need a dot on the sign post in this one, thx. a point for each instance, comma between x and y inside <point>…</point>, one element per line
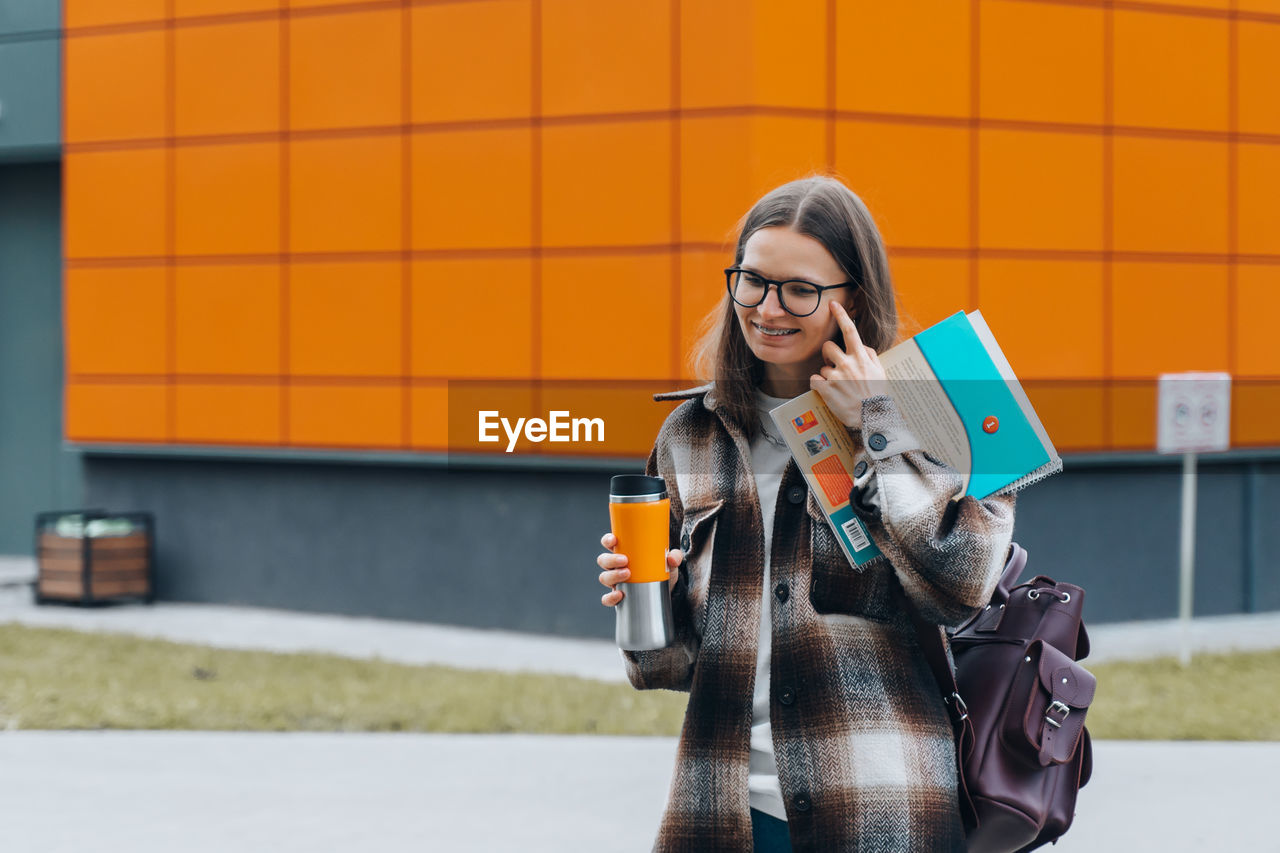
<point>1193,416</point>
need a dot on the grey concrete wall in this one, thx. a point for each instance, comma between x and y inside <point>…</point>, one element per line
<point>489,549</point>
<point>36,473</point>
<point>1115,531</point>
<point>516,550</point>
<point>30,80</point>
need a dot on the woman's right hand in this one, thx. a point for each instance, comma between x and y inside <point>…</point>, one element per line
<point>614,569</point>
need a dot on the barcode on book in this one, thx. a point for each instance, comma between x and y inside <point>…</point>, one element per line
<point>853,530</point>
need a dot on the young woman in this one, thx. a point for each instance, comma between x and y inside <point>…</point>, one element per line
<point>813,722</point>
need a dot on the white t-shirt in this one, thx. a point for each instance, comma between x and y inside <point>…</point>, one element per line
<point>767,463</point>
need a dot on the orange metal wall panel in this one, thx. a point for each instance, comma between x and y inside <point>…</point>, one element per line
<point>1266,7</point>
<point>1189,4</point>
<point>582,42</point>
<point>1170,70</point>
<point>917,63</point>
<point>1132,422</point>
<point>1258,192</point>
<point>345,70</point>
<point>785,148</point>
<point>429,415</point>
<point>715,176</point>
<point>716,62</point>
<point>789,54</point>
<point>227,198</point>
<point>279,216</point>
<point>1073,414</point>
<point>311,4</point>
<point>727,162</point>
<point>115,86</point>
<point>1170,195</point>
<point>104,411</point>
<point>345,194</point>
<point>227,320</point>
<point>1040,190</point>
<point>228,414</point>
<point>1255,410</point>
<point>472,60</point>
<point>929,290</point>
<point>1256,70</point>
<point>1042,62</point>
<point>473,189</point>
<point>1049,316</point>
<point>344,319</point>
<point>606,317</point>
<point>194,8</point>
<point>1256,310</point>
<point>333,415</point>
<point>913,177</point>
<point>115,320</point>
<point>213,95</point>
<point>1169,317</point>
<point>115,203</point>
<point>607,184</point>
<point>471,318</point>
<point>93,13</point>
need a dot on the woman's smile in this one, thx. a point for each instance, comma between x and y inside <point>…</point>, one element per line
<point>773,331</point>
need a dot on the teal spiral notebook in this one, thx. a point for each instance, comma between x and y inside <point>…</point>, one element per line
<point>961,398</point>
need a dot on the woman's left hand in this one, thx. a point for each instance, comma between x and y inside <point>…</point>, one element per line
<point>851,375</point>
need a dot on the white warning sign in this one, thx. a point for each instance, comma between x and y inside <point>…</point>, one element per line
<point>1193,414</point>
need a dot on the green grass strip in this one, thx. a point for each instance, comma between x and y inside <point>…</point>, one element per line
<point>58,679</point>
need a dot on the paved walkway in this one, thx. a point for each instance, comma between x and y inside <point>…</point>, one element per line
<point>198,792</point>
<point>203,792</point>
<point>418,643</point>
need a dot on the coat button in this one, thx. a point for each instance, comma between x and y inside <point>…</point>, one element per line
<point>684,542</point>
<point>795,494</point>
<point>803,804</point>
<point>786,696</point>
<point>781,591</point>
<point>860,469</point>
<point>876,441</point>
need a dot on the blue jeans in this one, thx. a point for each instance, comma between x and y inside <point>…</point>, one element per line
<point>768,834</point>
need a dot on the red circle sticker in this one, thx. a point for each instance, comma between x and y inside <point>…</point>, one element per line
<point>991,424</point>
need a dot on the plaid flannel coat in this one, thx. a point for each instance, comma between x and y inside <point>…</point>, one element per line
<point>862,738</point>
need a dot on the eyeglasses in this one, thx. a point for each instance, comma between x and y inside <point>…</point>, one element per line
<point>797,297</point>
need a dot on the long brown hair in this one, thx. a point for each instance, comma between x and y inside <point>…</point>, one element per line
<point>825,209</point>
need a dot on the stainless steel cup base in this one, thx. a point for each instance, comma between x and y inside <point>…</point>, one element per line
<point>644,617</point>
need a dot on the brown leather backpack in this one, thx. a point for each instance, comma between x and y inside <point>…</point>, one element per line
<point>1018,701</point>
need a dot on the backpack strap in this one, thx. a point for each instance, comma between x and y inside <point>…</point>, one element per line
<point>934,649</point>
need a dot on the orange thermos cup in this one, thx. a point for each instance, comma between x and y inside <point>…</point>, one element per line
<point>640,514</point>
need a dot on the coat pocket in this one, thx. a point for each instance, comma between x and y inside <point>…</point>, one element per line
<point>697,541</point>
<point>837,586</point>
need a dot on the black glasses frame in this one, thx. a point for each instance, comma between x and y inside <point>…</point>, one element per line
<point>732,271</point>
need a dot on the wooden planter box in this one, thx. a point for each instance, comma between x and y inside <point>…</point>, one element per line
<point>93,557</point>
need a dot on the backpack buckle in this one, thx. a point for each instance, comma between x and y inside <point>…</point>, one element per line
<point>1056,707</point>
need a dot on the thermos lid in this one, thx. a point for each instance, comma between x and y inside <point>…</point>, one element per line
<point>637,486</point>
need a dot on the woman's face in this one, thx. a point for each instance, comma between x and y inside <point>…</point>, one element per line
<point>791,344</point>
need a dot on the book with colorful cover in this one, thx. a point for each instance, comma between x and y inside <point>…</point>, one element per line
<point>961,399</point>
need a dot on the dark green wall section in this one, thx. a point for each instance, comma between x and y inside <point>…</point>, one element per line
<point>36,473</point>
<point>30,80</point>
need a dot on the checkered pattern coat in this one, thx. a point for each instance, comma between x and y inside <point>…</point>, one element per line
<point>861,736</point>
